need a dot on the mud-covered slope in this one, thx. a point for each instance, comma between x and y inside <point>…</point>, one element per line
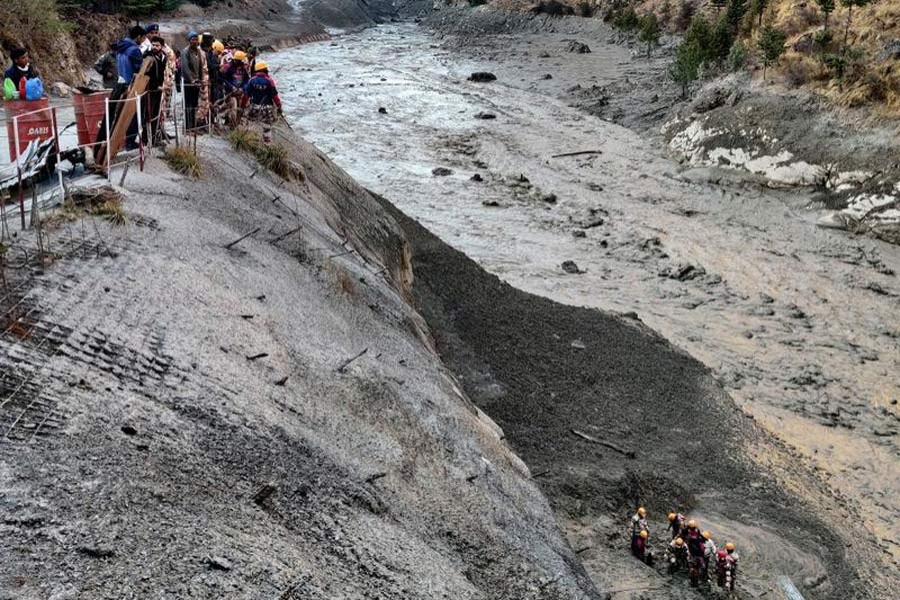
<point>180,417</point>
<point>544,371</point>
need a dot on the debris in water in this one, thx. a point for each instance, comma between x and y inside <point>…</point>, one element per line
<point>218,563</point>
<point>441,172</point>
<point>482,77</point>
<point>569,266</point>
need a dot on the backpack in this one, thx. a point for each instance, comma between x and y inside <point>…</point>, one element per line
<point>34,89</point>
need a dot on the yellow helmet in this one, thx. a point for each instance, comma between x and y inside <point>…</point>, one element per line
<point>672,516</point>
<point>729,546</point>
<point>641,511</point>
<point>692,523</point>
<point>706,535</point>
<point>679,542</point>
<point>261,66</point>
<point>218,47</point>
<point>644,534</point>
<point>239,55</point>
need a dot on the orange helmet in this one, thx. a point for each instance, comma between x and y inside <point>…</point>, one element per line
<point>644,534</point>
<point>239,55</point>
<point>642,511</point>
<point>679,542</point>
<point>706,535</point>
<point>692,523</point>
<point>729,546</point>
<point>672,516</point>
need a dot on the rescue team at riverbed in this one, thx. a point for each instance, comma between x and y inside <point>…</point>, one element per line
<point>689,549</point>
<point>220,83</point>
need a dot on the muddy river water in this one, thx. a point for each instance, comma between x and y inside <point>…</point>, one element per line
<point>800,324</point>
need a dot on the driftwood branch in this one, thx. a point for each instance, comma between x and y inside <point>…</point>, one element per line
<point>579,153</point>
<point>230,245</point>
<point>604,443</point>
<point>286,234</point>
<point>347,362</point>
<point>375,477</point>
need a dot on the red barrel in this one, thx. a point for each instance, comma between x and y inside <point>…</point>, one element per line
<point>90,109</point>
<point>31,126</point>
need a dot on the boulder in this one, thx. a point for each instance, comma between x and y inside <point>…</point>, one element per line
<point>441,171</point>
<point>60,89</point>
<point>570,267</point>
<point>578,47</point>
<point>485,115</point>
<point>482,77</point>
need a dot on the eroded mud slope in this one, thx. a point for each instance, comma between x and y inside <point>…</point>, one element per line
<point>180,417</point>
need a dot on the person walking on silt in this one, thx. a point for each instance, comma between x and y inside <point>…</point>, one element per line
<point>195,78</point>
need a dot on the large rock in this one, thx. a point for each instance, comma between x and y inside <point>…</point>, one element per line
<point>578,47</point>
<point>482,77</point>
<point>60,90</point>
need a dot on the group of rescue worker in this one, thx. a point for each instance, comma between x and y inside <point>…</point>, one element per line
<point>218,83</point>
<point>688,549</point>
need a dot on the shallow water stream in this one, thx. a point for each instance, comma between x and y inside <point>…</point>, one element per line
<point>800,324</point>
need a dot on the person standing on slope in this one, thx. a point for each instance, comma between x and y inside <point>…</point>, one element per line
<point>195,78</point>
<point>638,524</point>
<point>709,553</point>
<point>676,524</point>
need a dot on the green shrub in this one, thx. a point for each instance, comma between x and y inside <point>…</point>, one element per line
<point>737,57</point>
<point>626,20</point>
<point>30,23</point>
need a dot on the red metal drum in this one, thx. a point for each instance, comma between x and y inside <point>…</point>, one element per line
<point>31,125</point>
<point>89,112</point>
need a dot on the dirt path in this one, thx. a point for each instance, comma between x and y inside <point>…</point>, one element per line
<point>799,323</point>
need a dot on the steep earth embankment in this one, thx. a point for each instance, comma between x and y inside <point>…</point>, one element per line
<point>190,415</point>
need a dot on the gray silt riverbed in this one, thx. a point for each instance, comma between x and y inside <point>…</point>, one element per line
<point>799,323</point>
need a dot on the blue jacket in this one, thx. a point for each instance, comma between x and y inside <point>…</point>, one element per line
<point>128,59</point>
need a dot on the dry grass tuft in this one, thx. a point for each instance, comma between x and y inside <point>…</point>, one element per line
<point>183,160</point>
<point>244,140</point>
<point>275,158</point>
<point>113,211</point>
<point>272,156</point>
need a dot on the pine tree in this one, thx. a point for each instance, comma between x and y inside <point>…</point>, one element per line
<point>827,7</point>
<point>758,9</point>
<point>684,69</point>
<point>699,36</point>
<point>850,4</point>
<point>721,39</point>
<point>650,32</point>
<point>735,13</point>
<point>771,44</point>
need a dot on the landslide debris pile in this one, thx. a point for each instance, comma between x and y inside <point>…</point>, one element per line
<point>218,418</point>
